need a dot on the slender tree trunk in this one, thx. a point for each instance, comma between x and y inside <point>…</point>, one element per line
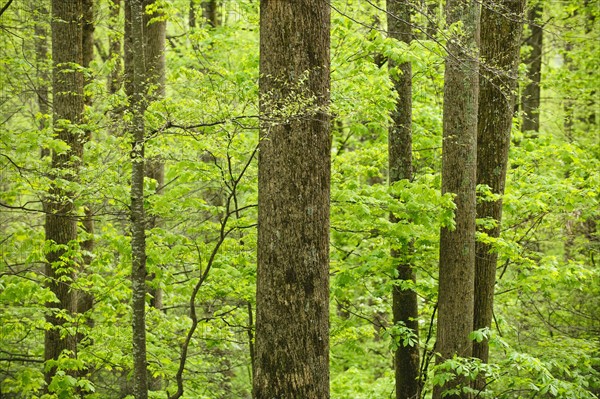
<point>42,71</point>
<point>61,220</point>
<point>128,52</point>
<point>138,83</point>
<point>404,304</point>
<point>501,28</point>
<point>530,100</point>
<point>459,162</point>
<point>114,47</point>
<point>292,309</point>
<point>85,300</point>
<point>155,36</point>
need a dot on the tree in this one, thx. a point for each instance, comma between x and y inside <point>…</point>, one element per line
<point>155,27</point>
<point>530,100</point>
<point>459,158</point>
<point>154,35</point>
<point>41,55</point>
<point>61,215</point>
<point>84,299</point>
<point>138,104</point>
<point>500,47</point>
<point>292,293</point>
<point>404,302</point>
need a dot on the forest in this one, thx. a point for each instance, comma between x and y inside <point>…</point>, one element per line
<point>299,199</point>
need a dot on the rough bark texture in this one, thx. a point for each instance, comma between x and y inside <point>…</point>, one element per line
<point>138,217</point>
<point>292,320</point>
<point>501,28</point>
<point>530,100</point>
<point>459,160</point>
<point>61,221</point>
<point>404,301</point>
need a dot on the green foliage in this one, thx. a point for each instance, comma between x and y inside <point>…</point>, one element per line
<point>544,338</point>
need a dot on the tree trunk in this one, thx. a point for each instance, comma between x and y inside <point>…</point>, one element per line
<point>85,300</point>
<point>61,220</point>
<point>501,28</point>
<point>404,301</point>
<point>292,314</point>
<point>137,101</point>
<point>192,14</point>
<point>459,161</point>
<point>209,13</point>
<point>41,54</point>
<point>530,100</point>
<point>155,36</point>
<point>114,47</point>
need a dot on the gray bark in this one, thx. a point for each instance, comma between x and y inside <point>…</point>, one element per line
<point>501,29</point>
<point>459,160</point>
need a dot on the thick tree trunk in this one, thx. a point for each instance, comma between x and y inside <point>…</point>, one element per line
<point>137,84</point>
<point>61,221</point>
<point>501,28</point>
<point>530,100</point>
<point>292,314</point>
<point>404,301</point>
<point>459,161</point>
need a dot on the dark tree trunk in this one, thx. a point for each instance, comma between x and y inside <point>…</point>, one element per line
<point>138,81</point>
<point>292,314</point>
<point>459,162</point>
<point>42,71</point>
<point>501,28</point>
<point>114,47</point>
<point>85,300</point>
<point>128,53</point>
<point>61,220</point>
<point>530,100</point>
<point>192,14</point>
<point>209,12</point>
<point>404,304</point>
